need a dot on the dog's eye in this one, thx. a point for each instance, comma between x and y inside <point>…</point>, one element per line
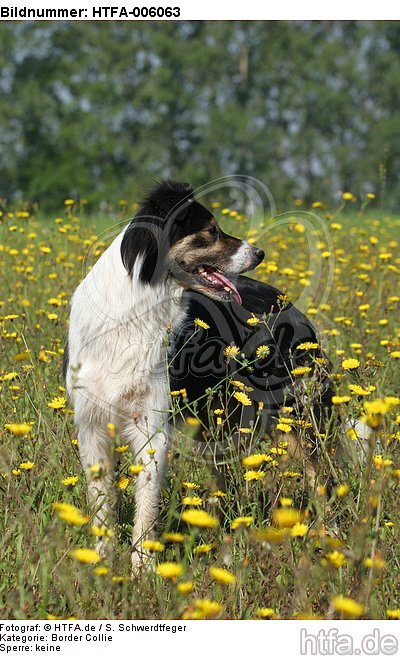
<point>213,230</point>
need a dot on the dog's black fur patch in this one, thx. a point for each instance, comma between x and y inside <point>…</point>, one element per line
<point>197,361</point>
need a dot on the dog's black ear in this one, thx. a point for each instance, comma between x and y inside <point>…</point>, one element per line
<point>153,229</point>
<point>141,239</point>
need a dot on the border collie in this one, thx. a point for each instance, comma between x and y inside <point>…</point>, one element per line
<point>170,265</point>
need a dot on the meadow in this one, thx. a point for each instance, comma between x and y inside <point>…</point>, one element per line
<point>238,558</point>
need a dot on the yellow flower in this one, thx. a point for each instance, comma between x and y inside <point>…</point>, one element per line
<point>300,371</point>
<point>350,363</point>
<point>153,545</point>
<point>190,486</point>
<point>255,460</point>
<point>101,570</point>
<point>242,521</point>
<point>308,346</point>
<point>262,351</point>
<point>284,427</point>
<point>375,563</point>
<point>231,351</point>
<point>253,321</point>
<point>336,558</point>
<point>136,469</point>
<point>347,195</point>
<point>10,375</point>
<point>395,355</point>
<point>69,514</point>
<point>185,587</point>
<point>123,482</point>
<point>342,490</point>
<point>192,501</point>
<point>374,412</point>
<point>199,518</point>
<point>70,481</point>
<point>201,324</point>
<point>208,607</point>
<point>87,556</point>
<point>264,613</point>
<point>242,398</point>
<point>170,570</point>
<point>299,530</point>
<point>287,517</point>
<point>203,548</point>
<point>254,475</point>
<point>18,429</point>
<point>101,531</point>
<point>27,465</point>
<point>361,391</point>
<point>338,400</point>
<point>393,614</point>
<point>347,606</point>
<point>222,575</point>
<point>57,403</point>
<point>175,538</point>
<point>193,421</point>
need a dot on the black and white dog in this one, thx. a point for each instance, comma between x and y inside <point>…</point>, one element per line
<point>172,264</point>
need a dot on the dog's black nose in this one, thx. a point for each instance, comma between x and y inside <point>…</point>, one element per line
<point>259,254</point>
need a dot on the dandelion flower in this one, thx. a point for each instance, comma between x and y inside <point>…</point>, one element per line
<point>300,371</point>
<point>222,575</point>
<point>254,475</point>
<point>242,521</point>
<point>201,324</point>
<point>308,346</point>
<point>262,351</point>
<point>336,559</point>
<point>199,518</point>
<point>153,546</point>
<point>287,517</point>
<point>231,351</point>
<point>27,465</point>
<point>208,607</point>
<point>57,403</point>
<point>342,490</point>
<point>299,530</point>
<point>347,606</point>
<point>185,587</point>
<point>170,570</point>
<point>203,548</point>
<point>266,613</point>
<point>350,363</point>
<point>192,501</point>
<point>70,481</point>
<point>18,429</point>
<point>70,514</point>
<point>87,556</point>
<point>136,469</point>
<point>255,460</point>
<point>242,398</point>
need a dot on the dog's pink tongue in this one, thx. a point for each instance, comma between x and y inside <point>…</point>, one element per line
<point>224,282</point>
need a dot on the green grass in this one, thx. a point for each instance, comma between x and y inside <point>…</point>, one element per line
<point>329,274</point>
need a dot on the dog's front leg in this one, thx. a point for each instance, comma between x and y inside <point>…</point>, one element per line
<point>153,454</point>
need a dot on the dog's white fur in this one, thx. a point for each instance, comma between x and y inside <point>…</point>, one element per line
<point>117,373</point>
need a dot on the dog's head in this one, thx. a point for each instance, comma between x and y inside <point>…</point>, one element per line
<point>174,235</point>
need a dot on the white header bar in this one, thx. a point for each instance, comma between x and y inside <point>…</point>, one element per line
<point>197,10</point>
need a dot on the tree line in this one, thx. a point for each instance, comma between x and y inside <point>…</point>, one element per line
<point>101,109</point>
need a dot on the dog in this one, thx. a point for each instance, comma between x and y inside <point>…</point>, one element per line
<point>171,266</point>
